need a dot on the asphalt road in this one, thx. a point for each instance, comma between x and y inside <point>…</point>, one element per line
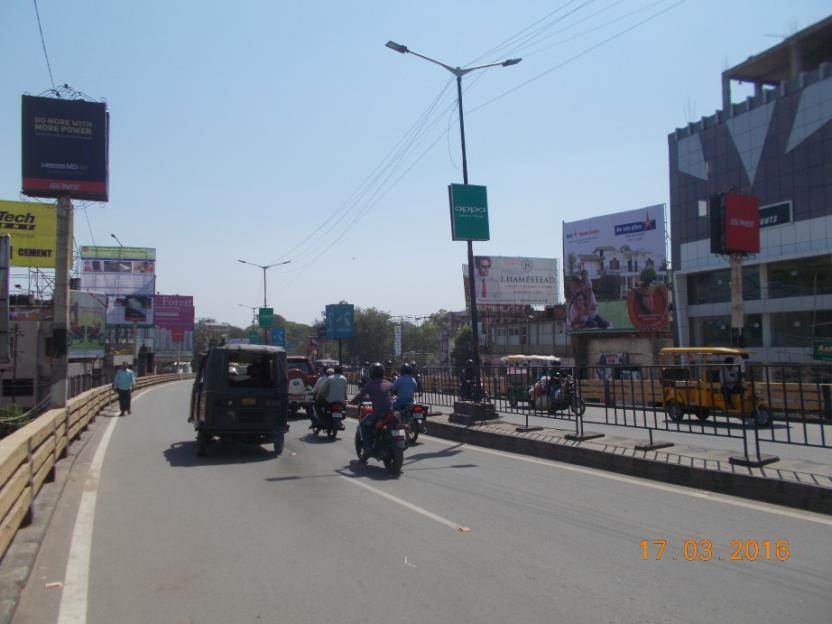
<point>464,535</point>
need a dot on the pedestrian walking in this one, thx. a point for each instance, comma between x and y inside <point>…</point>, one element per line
<point>123,383</point>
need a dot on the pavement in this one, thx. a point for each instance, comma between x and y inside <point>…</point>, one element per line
<point>465,534</point>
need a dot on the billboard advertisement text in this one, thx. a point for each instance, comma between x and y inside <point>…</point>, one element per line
<point>174,312</point>
<point>509,280</point>
<point>130,309</point>
<point>65,145</point>
<point>614,272</point>
<point>87,321</point>
<point>32,227</point>
<point>118,270</point>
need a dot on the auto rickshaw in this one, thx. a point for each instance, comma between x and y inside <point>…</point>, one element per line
<point>522,371</point>
<point>697,380</point>
<point>241,394</point>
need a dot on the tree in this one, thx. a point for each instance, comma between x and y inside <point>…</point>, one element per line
<point>373,341</point>
<point>647,276</point>
<point>463,348</point>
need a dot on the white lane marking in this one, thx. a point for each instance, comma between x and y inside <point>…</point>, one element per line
<point>676,489</point>
<point>407,563</point>
<point>73,608</point>
<point>406,505</point>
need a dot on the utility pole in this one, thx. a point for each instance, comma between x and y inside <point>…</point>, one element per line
<point>737,304</point>
<point>60,302</point>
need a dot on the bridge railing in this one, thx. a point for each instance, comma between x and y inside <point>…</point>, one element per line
<point>28,455</point>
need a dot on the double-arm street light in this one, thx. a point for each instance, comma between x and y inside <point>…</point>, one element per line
<point>264,267</point>
<point>459,72</point>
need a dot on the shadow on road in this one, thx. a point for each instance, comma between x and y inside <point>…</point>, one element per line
<point>311,438</point>
<point>446,452</point>
<point>183,454</point>
<point>372,470</point>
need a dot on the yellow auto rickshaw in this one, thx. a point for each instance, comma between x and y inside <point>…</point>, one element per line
<point>697,380</point>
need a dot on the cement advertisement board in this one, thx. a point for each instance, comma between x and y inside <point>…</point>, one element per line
<point>32,227</point>
<point>64,148</point>
<point>512,280</point>
<point>615,269</point>
<point>118,270</point>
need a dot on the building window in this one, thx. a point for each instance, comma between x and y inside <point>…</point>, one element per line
<point>18,387</point>
<point>798,329</point>
<point>800,278</point>
<point>715,286</point>
<point>715,331</point>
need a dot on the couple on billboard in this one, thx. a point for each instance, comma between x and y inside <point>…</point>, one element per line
<point>583,306</point>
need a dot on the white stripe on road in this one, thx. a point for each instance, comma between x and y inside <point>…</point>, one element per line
<point>73,609</point>
<point>409,506</point>
<point>676,489</point>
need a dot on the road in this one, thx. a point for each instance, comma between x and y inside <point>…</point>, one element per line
<point>464,535</point>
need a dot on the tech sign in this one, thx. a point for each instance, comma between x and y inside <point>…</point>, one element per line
<point>742,223</point>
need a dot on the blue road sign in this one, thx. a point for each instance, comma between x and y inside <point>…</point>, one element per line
<point>340,321</point>
<point>278,337</point>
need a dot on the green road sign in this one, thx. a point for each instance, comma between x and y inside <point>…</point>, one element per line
<point>823,349</point>
<point>469,212</point>
<point>266,317</point>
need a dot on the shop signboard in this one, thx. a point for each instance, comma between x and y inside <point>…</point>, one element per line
<point>32,227</point>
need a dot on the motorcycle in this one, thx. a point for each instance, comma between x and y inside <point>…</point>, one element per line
<point>388,440</point>
<point>331,420</point>
<point>414,417</point>
<point>556,395</point>
<point>466,390</point>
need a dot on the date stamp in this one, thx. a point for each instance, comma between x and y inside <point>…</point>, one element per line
<point>704,550</point>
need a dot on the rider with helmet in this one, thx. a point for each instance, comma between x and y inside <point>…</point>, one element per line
<point>378,391</point>
<point>403,388</point>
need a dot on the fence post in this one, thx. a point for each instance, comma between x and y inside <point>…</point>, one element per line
<point>759,460</point>
<point>30,513</point>
<point>65,450</point>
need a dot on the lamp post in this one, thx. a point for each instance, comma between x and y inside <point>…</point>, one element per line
<point>459,72</point>
<point>265,268</point>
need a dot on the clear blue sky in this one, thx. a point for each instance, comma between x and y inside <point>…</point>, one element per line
<point>238,128</point>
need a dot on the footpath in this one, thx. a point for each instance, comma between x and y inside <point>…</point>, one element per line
<point>795,482</point>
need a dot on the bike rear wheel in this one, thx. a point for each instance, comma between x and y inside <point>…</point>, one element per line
<point>394,460</point>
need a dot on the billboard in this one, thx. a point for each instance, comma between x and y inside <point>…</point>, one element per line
<point>174,312</point>
<point>87,321</point>
<point>64,148</point>
<point>33,229</point>
<point>340,321</point>
<point>515,281</point>
<point>118,270</point>
<point>130,309</point>
<point>742,223</point>
<point>615,269</point>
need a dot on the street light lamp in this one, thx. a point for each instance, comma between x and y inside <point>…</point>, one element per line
<point>265,268</point>
<point>117,240</point>
<point>459,72</point>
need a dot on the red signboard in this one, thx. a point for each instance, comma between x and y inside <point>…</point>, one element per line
<point>742,223</point>
<point>177,334</point>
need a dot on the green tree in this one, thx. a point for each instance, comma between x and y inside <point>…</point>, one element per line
<point>648,275</point>
<point>373,341</point>
<point>463,348</point>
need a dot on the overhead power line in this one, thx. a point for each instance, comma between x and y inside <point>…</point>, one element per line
<point>43,43</point>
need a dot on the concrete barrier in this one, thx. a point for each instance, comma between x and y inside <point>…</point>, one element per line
<point>28,456</point>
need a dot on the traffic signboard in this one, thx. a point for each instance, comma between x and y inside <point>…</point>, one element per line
<point>278,337</point>
<point>266,316</point>
<point>469,212</point>
<point>340,321</point>
<point>254,337</point>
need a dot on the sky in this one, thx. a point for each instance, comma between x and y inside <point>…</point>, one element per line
<point>273,131</point>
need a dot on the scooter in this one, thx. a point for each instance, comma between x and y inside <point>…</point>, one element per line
<point>331,420</point>
<point>414,416</point>
<point>388,441</point>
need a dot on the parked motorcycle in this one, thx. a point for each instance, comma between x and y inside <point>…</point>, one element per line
<point>557,394</point>
<point>466,390</point>
<point>330,420</point>
<point>414,417</point>
<point>388,441</point>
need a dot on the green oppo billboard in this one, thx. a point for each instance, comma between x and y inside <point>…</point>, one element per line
<point>469,212</point>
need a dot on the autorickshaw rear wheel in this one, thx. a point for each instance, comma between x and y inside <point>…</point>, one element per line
<point>279,441</point>
<point>202,439</point>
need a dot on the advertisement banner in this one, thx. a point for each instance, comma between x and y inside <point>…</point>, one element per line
<point>340,321</point>
<point>516,281</point>
<point>742,223</point>
<point>33,228</point>
<point>469,212</point>
<point>118,270</point>
<point>615,270</point>
<point>131,309</point>
<point>174,312</point>
<point>64,148</point>
<point>397,340</point>
<point>87,321</point>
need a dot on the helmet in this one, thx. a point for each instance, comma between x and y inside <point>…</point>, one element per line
<point>406,370</point>
<point>469,363</point>
<point>330,371</point>
<point>376,371</point>
<point>339,369</point>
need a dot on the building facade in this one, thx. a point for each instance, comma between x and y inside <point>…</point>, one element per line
<point>777,146</point>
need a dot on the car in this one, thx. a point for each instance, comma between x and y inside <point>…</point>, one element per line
<point>302,378</point>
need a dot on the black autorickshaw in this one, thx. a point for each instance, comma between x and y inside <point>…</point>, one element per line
<point>241,394</point>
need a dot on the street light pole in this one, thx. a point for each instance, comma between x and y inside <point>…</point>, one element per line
<point>459,72</point>
<point>265,268</point>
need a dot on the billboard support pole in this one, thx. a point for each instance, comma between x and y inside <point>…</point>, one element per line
<point>737,307</point>
<point>340,352</point>
<point>60,302</point>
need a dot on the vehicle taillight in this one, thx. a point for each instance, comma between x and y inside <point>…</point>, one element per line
<point>337,407</point>
<point>418,408</point>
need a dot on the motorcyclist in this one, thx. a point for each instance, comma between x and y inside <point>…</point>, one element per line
<point>365,374</point>
<point>555,385</point>
<point>469,378</point>
<point>414,370</point>
<point>403,388</point>
<point>318,399</point>
<point>378,391</point>
<point>334,388</point>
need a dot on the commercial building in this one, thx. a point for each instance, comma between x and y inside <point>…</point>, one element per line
<point>776,145</point>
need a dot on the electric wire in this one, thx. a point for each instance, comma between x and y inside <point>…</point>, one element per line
<point>43,43</point>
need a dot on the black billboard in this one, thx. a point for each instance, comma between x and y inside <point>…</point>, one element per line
<point>65,148</point>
